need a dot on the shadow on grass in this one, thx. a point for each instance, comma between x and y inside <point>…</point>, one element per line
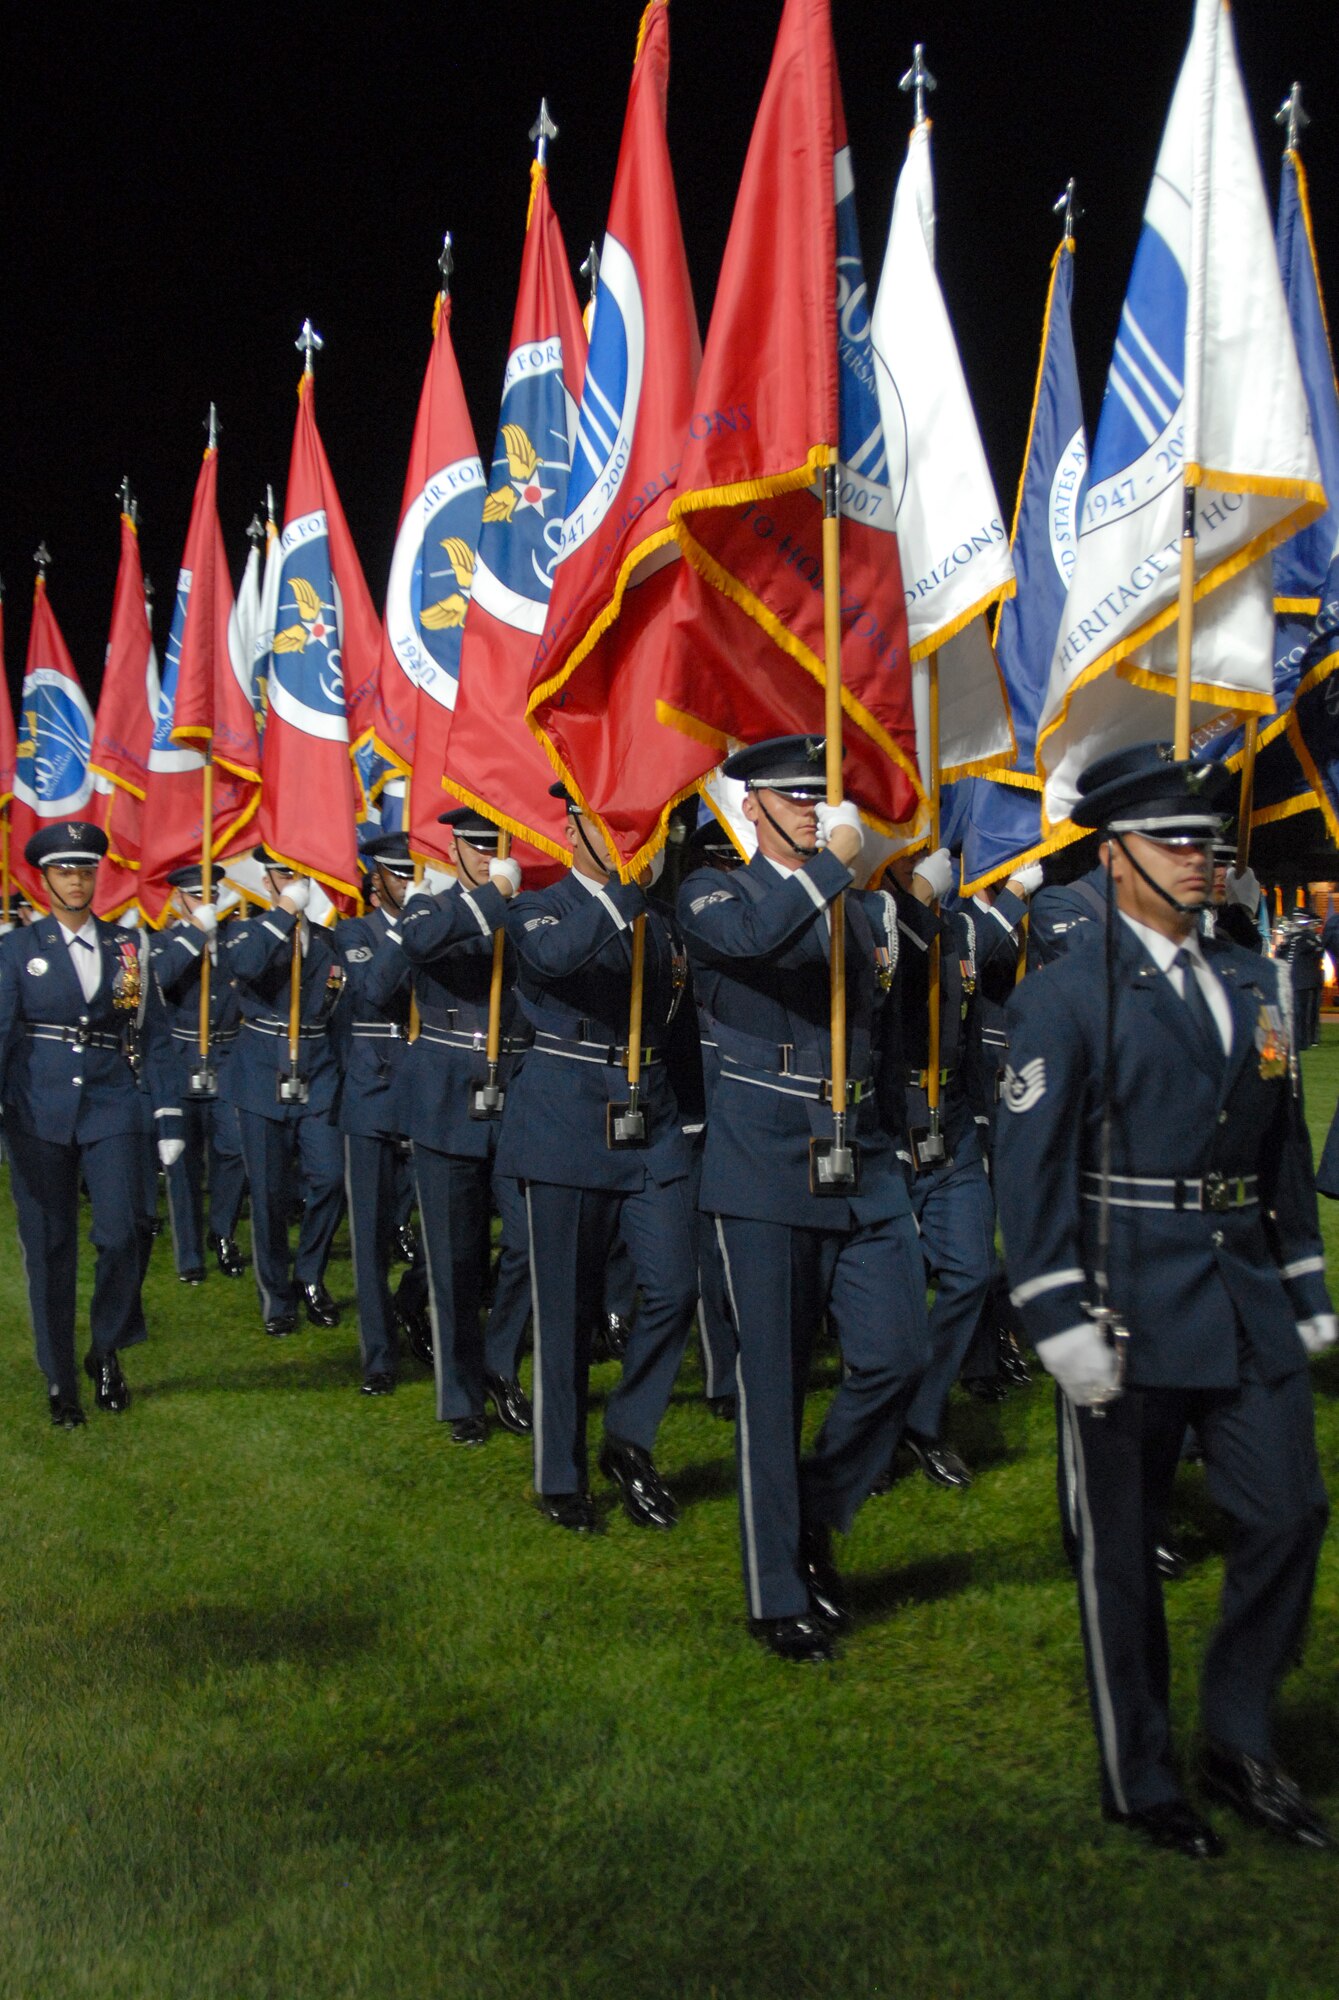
<point>315,1372</point>
<point>193,1640</point>
<point>709,1479</point>
<point>877,1594</point>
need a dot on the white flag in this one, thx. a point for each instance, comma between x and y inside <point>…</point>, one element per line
<point>1204,390</point>
<point>244,624</point>
<point>951,534</point>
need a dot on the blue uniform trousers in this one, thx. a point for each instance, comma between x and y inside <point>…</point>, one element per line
<point>455,1199</point>
<point>955,1210</point>
<point>1262,1470</point>
<point>372,1187</point>
<point>270,1149</point>
<point>572,1231</point>
<point>213,1146</point>
<point>715,1328</point>
<point>45,1179</point>
<point>782,1281</point>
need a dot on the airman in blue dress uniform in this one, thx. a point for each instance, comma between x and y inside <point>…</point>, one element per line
<point>209,1127</point>
<point>590,1171</point>
<point>1178,1281</point>
<point>446,930</point>
<point>759,940</point>
<point>78,1010</point>
<point>287,1119</point>
<point>373,1107</point>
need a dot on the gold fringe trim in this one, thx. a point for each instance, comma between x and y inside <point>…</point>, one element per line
<point>1310,681</point>
<point>112,777</point>
<point>537,174</point>
<point>1298,607</point>
<point>1064,836</point>
<point>1000,595</point>
<point>516,827</point>
<point>1303,802</point>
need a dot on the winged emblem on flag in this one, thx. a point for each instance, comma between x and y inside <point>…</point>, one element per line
<point>311,613</point>
<point>526,489</point>
<point>450,611</point>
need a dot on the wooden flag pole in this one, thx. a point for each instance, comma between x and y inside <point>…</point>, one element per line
<point>1247,798</point>
<point>934,968</point>
<point>295,1000</point>
<point>4,861</point>
<point>625,1124</point>
<point>1185,627</point>
<point>488,1099</point>
<point>207,894</point>
<point>832,1164</point>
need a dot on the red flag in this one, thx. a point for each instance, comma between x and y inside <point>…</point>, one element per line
<point>494,763</point>
<point>52,780</point>
<point>601,663</point>
<point>430,580</point>
<point>213,708</point>
<point>309,801</point>
<point>787,388</point>
<point>195,665</point>
<point>123,729</point>
<point>6,755</point>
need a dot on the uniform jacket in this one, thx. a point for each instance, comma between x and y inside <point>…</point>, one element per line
<point>759,944</point>
<point>65,1088</point>
<point>177,956</point>
<point>1191,1283</point>
<point>998,933</point>
<point>1064,914</point>
<point>448,948</point>
<point>258,953</point>
<point>574,953</point>
<point>960,1095</point>
<point>373,1023</point>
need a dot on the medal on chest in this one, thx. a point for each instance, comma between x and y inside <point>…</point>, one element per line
<point>126,978</point>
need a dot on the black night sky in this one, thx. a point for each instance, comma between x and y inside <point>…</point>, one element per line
<point>181,186</point>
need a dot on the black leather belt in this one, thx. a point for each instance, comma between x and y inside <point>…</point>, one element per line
<point>280,1031</point>
<point>216,1040</point>
<point>474,1040</point>
<point>378,1031</point>
<point>75,1038</point>
<point>1216,1193</point>
<point>609,1054</point>
<point>790,1083</point>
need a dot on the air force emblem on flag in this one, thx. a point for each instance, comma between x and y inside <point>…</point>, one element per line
<point>306,682</point>
<point>164,754</point>
<point>864,491</point>
<point>51,774</point>
<point>432,578</point>
<point>1140,438</point>
<point>521,539</point>
<point>609,398</point>
<point>1023,1088</point>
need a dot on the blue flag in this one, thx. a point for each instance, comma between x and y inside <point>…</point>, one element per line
<point>1002,823</point>
<point>1306,569</point>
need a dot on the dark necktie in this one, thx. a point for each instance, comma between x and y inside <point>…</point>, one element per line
<point>1200,1011</point>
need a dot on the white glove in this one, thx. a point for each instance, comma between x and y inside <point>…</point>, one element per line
<point>831,817</point>
<point>1028,879</point>
<point>170,1151</point>
<point>298,893</point>
<point>1243,889</point>
<point>226,899</point>
<point>937,872</point>
<point>434,881</point>
<point>5,929</point>
<point>507,871</point>
<point>1082,1362</point>
<point>206,919</point>
<point>1319,1332</point>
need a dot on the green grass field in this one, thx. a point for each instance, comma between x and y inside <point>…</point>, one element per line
<point>298,1699</point>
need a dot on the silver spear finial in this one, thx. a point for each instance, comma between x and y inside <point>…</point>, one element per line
<point>542,131</point>
<point>918,80</point>
<point>213,428</point>
<point>308,342</point>
<point>1291,115</point>
<point>590,270</point>
<point>42,557</point>
<point>1069,206</point>
<point>446,264</point>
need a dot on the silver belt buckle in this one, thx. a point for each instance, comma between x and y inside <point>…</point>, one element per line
<point>1217,1194</point>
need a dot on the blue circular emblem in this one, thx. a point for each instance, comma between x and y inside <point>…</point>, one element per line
<point>306,669</point>
<point>432,578</point>
<point>51,773</point>
<point>521,540</point>
<point>609,398</point>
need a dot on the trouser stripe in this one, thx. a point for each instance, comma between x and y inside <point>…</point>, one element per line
<point>1106,1713</point>
<point>745,1466</point>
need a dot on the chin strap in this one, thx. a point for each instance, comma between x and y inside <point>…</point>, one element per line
<point>1182,909</point>
<point>70,909</point>
<point>805,853</point>
<point>603,866</point>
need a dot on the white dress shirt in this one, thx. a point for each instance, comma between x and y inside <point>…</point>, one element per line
<point>1162,950</point>
<point>86,951</point>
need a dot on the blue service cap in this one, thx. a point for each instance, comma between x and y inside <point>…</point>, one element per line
<point>480,832</point>
<point>389,851</point>
<point>74,843</point>
<point>1148,789</point>
<point>793,764</point>
<point>191,877</point>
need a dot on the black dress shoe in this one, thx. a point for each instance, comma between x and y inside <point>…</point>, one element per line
<point>801,1640</point>
<point>281,1325</point>
<point>227,1256</point>
<point>511,1403</point>
<point>469,1430</point>
<point>609,1342</point>
<point>379,1383</point>
<point>191,1277</point>
<point>1175,1826</point>
<point>321,1308</point>
<point>417,1330</point>
<point>646,1498</point>
<point>826,1595</point>
<point>66,1414</point>
<point>570,1510</point>
<point>406,1244</point>
<point>110,1388</point>
<point>1169,1562</point>
<point>1264,1795</point>
<point>1013,1365</point>
<point>724,1407</point>
<point>940,1465</point>
<point>986,1388</point>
